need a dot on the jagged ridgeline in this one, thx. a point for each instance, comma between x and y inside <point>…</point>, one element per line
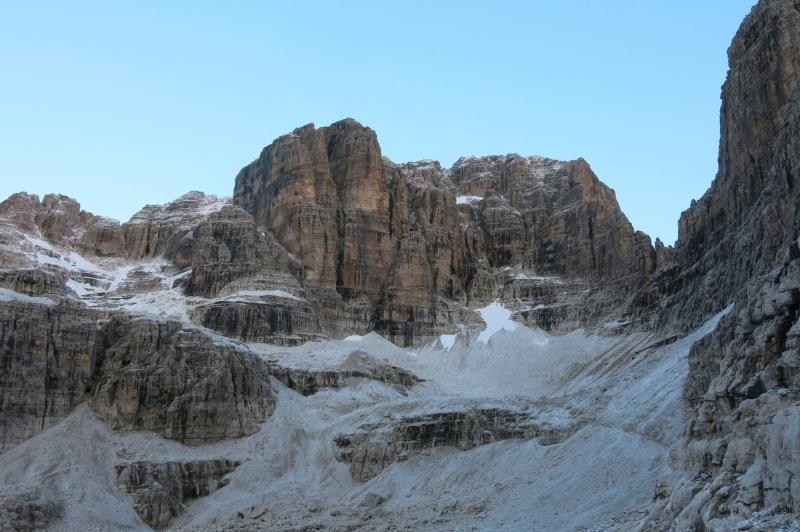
<point>348,342</point>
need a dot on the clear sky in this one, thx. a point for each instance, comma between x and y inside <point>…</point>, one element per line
<point>120,104</point>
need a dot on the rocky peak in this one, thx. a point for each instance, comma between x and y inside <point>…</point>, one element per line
<point>20,209</point>
<point>362,225</point>
<point>167,230</point>
<point>737,248</point>
<point>59,220</point>
<point>748,213</point>
<point>322,193</point>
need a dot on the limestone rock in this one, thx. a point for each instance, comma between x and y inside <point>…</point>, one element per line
<point>167,230</point>
<point>59,219</point>
<point>376,446</point>
<point>29,511</point>
<point>48,354</point>
<point>35,283</point>
<point>159,377</point>
<point>358,365</point>
<point>229,254</point>
<point>573,225</point>
<point>267,319</point>
<point>738,244</point>
<point>321,192</point>
<point>160,489</point>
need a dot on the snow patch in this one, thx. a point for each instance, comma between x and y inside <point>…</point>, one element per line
<point>263,293</point>
<point>447,341</point>
<point>7,296</point>
<point>497,319</point>
<point>461,200</point>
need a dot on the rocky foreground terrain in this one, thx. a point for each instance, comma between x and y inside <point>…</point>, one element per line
<point>350,343</point>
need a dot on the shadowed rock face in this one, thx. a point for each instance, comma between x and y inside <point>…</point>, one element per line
<point>743,224</point>
<point>228,253</point>
<point>167,230</point>
<point>738,244</point>
<point>34,283</point>
<point>159,489</point>
<point>137,374</point>
<point>376,447</point>
<point>271,320</point>
<point>358,365</point>
<point>47,357</point>
<point>158,377</point>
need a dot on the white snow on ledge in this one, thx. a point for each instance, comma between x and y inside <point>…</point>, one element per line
<point>461,200</point>
<point>263,293</point>
<point>7,296</point>
<point>497,319</point>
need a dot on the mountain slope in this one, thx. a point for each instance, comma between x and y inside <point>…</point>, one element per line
<point>354,343</point>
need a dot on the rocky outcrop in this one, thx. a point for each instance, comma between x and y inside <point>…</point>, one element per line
<point>378,242</point>
<point>160,489</point>
<point>358,365</point>
<point>60,220</point>
<point>742,225</point>
<point>376,446</point>
<point>271,319</point>
<point>402,256</point>
<point>229,254</point>
<point>48,354</point>
<point>136,373</point>
<point>322,193</point>
<point>551,303</point>
<point>159,377</point>
<point>738,244</point>
<point>554,217</point>
<point>425,286</point>
<point>35,283</point>
<point>30,511</point>
<point>167,230</point>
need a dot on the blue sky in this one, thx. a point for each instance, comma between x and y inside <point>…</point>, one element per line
<point>120,104</point>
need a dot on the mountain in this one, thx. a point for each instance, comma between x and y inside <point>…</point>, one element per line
<point>353,343</point>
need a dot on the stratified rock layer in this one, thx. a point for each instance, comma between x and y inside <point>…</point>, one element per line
<point>738,244</point>
<point>47,357</point>
<point>159,490</point>
<point>387,247</point>
<point>376,447</point>
<point>156,376</point>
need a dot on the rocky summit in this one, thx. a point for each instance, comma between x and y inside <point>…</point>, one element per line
<point>351,343</point>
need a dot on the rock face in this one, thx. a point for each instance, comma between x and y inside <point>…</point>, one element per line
<point>137,374</point>
<point>264,319</point>
<point>156,376</point>
<point>27,512</point>
<point>59,219</point>
<point>322,193</point>
<point>387,247</point>
<point>228,254</point>
<point>159,490</point>
<point>738,244</point>
<point>167,230</point>
<point>555,218</point>
<point>34,283</point>
<point>377,446</point>
<point>357,366</point>
<point>48,354</point>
